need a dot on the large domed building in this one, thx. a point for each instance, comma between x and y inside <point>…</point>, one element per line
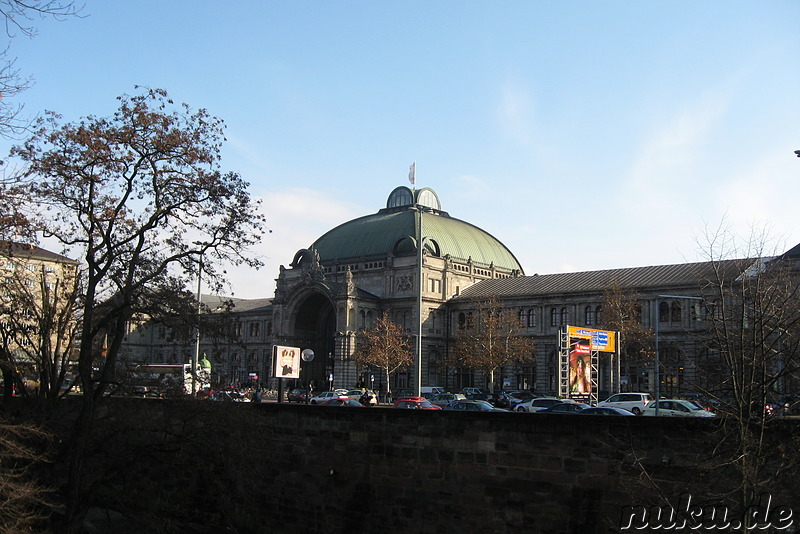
<point>352,273</point>
<point>429,271</point>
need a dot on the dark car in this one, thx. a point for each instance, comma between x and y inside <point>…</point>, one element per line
<point>483,396</point>
<point>606,410</point>
<point>473,405</point>
<point>565,407</point>
<point>297,395</point>
<point>345,402</point>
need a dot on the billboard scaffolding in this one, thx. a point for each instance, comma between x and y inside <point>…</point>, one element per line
<point>578,360</point>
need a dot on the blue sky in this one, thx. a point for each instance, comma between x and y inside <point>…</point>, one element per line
<point>583,134</point>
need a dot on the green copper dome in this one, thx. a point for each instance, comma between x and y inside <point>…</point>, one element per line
<point>393,231</point>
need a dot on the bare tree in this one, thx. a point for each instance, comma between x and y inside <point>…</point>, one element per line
<point>754,310</point>
<point>18,16</point>
<point>490,340</point>
<point>622,312</point>
<point>38,325</point>
<point>386,346</point>
<point>140,198</point>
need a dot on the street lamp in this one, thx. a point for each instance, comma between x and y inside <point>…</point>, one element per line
<point>658,359</point>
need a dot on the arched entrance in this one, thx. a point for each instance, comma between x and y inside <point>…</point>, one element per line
<point>314,328</point>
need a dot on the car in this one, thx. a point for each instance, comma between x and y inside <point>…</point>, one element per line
<point>677,408</point>
<point>565,407</point>
<point>633,402</point>
<point>324,396</point>
<point>343,402</point>
<point>516,397</point>
<point>538,403</point>
<point>354,394</point>
<point>471,405</point>
<point>471,391</point>
<point>606,410</point>
<point>415,403</point>
<point>443,399</point>
<point>229,395</point>
<point>297,395</point>
<point>491,398</point>
<point>405,392</point>
<point>429,391</point>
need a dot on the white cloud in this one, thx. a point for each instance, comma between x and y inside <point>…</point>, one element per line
<point>297,217</point>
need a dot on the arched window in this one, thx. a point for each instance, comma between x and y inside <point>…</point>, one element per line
<point>589,315</point>
<point>462,320</point>
<point>553,317</point>
<point>531,317</point>
<point>521,318</point>
<point>663,312</point>
<point>564,316</point>
<point>362,319</point>
<point>598,314</point>
<point>676,312</point>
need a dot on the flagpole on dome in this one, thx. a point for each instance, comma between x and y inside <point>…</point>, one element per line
<point>412,174</point>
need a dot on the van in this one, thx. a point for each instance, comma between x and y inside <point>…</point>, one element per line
<point>633,402</point>
<point>428,391</point>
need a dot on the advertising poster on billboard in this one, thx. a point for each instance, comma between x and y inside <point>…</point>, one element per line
<point>601,340</point>
<point>286,361</point>
<point>580,367</point>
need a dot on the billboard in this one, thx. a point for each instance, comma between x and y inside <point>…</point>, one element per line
<point>600,340</point>
<point>580,367</point>
<point>286,362</point>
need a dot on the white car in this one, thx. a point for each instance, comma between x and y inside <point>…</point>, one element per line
<point>633,402</point>
<point>538,403</point>
<point>677,408</point>
<point>324,396</point>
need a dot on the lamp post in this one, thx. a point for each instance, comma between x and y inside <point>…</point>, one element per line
<point>658,356</point>
<point>418,357</point>
<point>196,356</point>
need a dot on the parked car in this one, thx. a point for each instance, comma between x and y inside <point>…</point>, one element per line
<point>405,392</point>
<point>516,397</point>
<point>472,405</point>
<point>491,398</point>
<point>443,399</point>
<point>536,404</point>
<point>633,402</point>
<point>677,408</point>
<point>343,402</point>
<point>471,391</point>
<point>606,410</point>
<point>324,396</point>
<point>354,394</point>
<point>297,395</point>
<point>565,407</point>
<point>229,395</point>
<point>415,403</point>
<point>429,391</point>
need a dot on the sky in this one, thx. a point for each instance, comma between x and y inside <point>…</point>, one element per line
<point>584,135</point>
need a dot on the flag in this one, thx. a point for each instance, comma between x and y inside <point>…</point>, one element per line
<point>412,172</point>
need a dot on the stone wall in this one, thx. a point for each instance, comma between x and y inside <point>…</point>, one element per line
<point>179,466</point>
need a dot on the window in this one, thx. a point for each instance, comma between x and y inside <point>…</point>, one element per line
<point>598,314</point>
<point>436,286</point>
<point>521,318</point>
<point>676,312</point>
<point>564,316</point>
<point>663,312</point>
<point>531,318</point>
<point>553,317</point>
<point>255,329</point>
<point>589,315</point>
